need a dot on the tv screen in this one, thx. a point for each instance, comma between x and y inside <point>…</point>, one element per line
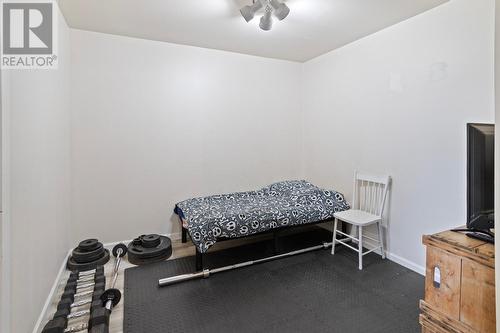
<point>480,178</point>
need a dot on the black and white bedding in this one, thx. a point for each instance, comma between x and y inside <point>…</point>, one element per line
<point>234,215</point>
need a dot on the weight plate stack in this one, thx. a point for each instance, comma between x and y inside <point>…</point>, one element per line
<point>147,249</point>
<point>89,254</point>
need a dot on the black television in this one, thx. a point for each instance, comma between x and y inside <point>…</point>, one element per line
<point>480,177</point>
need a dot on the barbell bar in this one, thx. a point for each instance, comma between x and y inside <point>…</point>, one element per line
<point>207,272</point>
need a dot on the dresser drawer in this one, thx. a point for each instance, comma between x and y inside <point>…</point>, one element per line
<point>427,330</point>
<point>442,282</point>
<point>477,303</point>
<point>433,321</point>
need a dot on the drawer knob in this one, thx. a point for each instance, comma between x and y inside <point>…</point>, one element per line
<point>436,277</point>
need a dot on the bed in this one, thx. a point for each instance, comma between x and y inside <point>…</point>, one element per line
<point>235,215</point>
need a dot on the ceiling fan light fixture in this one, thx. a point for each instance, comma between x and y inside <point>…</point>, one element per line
<point>266,21</point>
<point>281,10</point>
<point>248,12</point>
<point>271,7</point>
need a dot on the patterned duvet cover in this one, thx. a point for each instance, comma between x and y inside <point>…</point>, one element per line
<point>234,215</point>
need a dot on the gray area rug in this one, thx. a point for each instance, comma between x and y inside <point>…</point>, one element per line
<point>313,292</point>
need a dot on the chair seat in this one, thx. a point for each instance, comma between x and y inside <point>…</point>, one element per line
<point>357,217</point>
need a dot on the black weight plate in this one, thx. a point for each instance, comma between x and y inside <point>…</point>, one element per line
<point>88,244</point>
<point>144,253</point>
<point>117,247</point>
<point>144,261</point>
<point>113,295</point>
<point>141,252</point>
<point>84,257</point>
<point>150,241</point>
<point>72,265</point>
<point>139,255</point>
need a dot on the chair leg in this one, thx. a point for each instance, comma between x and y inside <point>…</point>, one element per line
<point>334,240</point>
<point>360,247</point>
<point>381,239</point>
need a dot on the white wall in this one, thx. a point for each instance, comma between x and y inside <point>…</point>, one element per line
<point>383,105</point>
<point>156,123</point>
<point>38,163</point>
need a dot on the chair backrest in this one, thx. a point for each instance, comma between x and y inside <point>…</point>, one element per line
<point>370,193</point>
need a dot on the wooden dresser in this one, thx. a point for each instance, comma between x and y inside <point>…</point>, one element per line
<point>459,285</point>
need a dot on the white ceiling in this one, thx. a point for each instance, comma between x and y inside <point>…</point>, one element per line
<point>313,27</point>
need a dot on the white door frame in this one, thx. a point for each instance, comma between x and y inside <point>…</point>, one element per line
<point>5,246</point>
<point>497,156</point>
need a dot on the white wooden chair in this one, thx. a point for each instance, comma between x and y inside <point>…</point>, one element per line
<point>367,208</point>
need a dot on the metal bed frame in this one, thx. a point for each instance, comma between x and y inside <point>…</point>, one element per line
<point>205,273</point>
<point>199,255</point>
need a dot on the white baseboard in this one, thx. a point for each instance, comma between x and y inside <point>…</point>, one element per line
<point>406,263</point>
<point>39,324</point>
<point>394,257</point>
<point>172,236</point>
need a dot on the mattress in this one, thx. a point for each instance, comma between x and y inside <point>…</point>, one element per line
<point>234,215</point>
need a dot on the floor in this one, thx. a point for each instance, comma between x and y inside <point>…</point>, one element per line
<point>180,250</point>
<point>116,322</point>
<point>311,292</point>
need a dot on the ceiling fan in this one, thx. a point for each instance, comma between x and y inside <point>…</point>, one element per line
<point>271,7</point>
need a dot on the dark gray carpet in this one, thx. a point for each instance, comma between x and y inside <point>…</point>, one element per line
<point>313,292</point>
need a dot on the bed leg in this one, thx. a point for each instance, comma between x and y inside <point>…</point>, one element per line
<point>275,242</point>
<point>199,261</point>
<point>184,234</point>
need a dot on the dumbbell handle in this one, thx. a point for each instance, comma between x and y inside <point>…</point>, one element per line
<point>78,314</point>
<point>86,273</point>
<point>118,260</point>
<point>85,279</point>
<point>117,266</point>
<point>109,305</point>
<point>81,303</point>
<point>86,285</point>
<point>75,329</point>
<point>59,325</point>
<point>84,293</point>
<point>101,325</point>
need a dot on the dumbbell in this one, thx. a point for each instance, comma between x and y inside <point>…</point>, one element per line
<point>60,320</point>
<point>68,303</point>
<point>97,271</point>
<point>68,298</point>
<point>60,325</point>
<point>75,286</point>
<point>75,278</point>
<point>76,281</point>
<point>72,294</point>
<point>86,274</point>
<point>82,284</point>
